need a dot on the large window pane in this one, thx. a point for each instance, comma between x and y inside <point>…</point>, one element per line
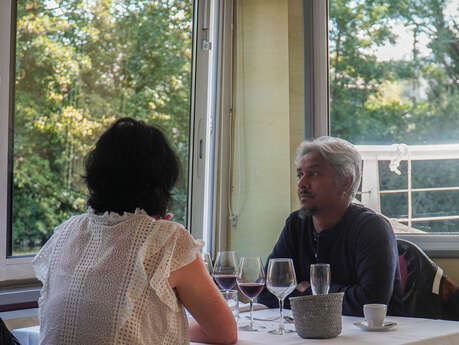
<point>438,173</point>
<point>394,70</point>
<point>447,226</point>
<point>395,205</point>
<point>390,181</point>
<point>435,204</point>
<point>81,64</point>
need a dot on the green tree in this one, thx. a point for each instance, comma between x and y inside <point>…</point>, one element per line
<point>411,101</point>
<point>80,65</point>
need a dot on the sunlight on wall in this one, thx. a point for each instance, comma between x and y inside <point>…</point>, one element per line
<point>269,123</point>
<point>268,126</point>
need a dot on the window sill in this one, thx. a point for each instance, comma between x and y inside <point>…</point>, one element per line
<point>438,245</point>
<point>19,295</point>
<point>20,318</point>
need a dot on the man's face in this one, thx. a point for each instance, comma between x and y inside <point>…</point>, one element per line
<point>318,189</point>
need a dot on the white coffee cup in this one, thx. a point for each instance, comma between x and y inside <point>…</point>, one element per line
<point>375,314</point>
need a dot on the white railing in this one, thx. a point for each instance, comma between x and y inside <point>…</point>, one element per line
<point>372,154</point>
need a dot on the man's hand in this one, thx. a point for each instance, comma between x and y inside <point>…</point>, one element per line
<point>301,287</point>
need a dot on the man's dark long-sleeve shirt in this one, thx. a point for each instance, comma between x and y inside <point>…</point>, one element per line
<point>361,250</point>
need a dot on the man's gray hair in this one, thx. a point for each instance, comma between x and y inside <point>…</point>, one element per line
<point>342,156</point>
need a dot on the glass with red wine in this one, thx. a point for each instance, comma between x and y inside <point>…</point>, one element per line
<point>251,281</point>
<point>225,270</point>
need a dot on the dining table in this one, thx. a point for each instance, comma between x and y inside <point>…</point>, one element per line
<point>412,331</point>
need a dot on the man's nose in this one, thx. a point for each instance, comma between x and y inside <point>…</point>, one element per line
<point>302,181</point>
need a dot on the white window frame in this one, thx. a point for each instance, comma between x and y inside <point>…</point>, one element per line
<point>213,125</point>
<point>316,68</point>
<point>437,245</point>
<point>434,245</point>
<point>202,134</point>
<point>201,208</point>
<point>17,267</point>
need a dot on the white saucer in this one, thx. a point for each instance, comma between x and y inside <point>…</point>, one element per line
<point>385,327</point>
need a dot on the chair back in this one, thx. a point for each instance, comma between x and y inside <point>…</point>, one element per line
<point>422,282</point>
<point>6,338</point>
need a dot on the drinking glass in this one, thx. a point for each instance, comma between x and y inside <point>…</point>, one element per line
<point>320,278</point>
<point>207,262</point>
<point>232,300</point>
<point>251,280</point>
<point>280,281</point>
<point>225,270</point>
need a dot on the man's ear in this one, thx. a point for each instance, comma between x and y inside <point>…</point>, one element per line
<point>346,184</point>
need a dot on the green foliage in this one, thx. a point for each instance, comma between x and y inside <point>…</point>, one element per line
<point>412,101</point>
<point>79,66</point>
<point>425,109</point>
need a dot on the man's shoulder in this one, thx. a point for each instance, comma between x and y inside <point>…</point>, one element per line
<point>364,218</point>
<point>297,217</point>
<point>359,211</point>
<point>296,221</point>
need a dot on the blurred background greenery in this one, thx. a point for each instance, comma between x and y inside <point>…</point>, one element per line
<point>80,65</point>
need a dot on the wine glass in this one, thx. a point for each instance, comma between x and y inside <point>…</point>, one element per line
<point>320,278</point>
<point>207,262</point>
<point>225,270</point>
<point>281,281</point>
<point>251,280</point>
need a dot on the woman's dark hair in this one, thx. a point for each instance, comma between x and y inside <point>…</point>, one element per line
<point>132,166</point>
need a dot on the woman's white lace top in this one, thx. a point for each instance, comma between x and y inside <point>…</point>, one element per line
<point>105,281</point>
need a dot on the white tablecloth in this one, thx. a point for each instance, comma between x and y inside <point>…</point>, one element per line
<point>28,335</point>
<point>410,331</point>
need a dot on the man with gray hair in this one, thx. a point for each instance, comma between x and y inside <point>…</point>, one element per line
<point>329,228</point>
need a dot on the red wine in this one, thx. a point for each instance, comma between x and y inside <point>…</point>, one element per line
<point>251,290</point>
<point>225,281</point>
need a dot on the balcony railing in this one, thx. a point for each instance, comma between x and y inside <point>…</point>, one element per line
<point>371,193</point>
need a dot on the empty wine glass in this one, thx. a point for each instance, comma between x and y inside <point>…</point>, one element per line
<point>320,278</point>
<point>280,281</point>
<point>251,280</point>
<point>207,262</point>
<point>225,270</point>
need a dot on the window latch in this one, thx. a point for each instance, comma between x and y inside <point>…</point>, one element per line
<point>206,45</point>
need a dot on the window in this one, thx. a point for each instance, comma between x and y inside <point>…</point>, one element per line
<point>394,93</point>
<point>317,72</point>
<point>78,65</point>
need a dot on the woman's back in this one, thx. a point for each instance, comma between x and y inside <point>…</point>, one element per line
<point>105,281</point>
<point>121,279</point>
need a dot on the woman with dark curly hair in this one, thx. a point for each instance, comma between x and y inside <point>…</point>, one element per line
<point>121,273</point>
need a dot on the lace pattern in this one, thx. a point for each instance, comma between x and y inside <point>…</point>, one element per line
<point>106,280</point>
